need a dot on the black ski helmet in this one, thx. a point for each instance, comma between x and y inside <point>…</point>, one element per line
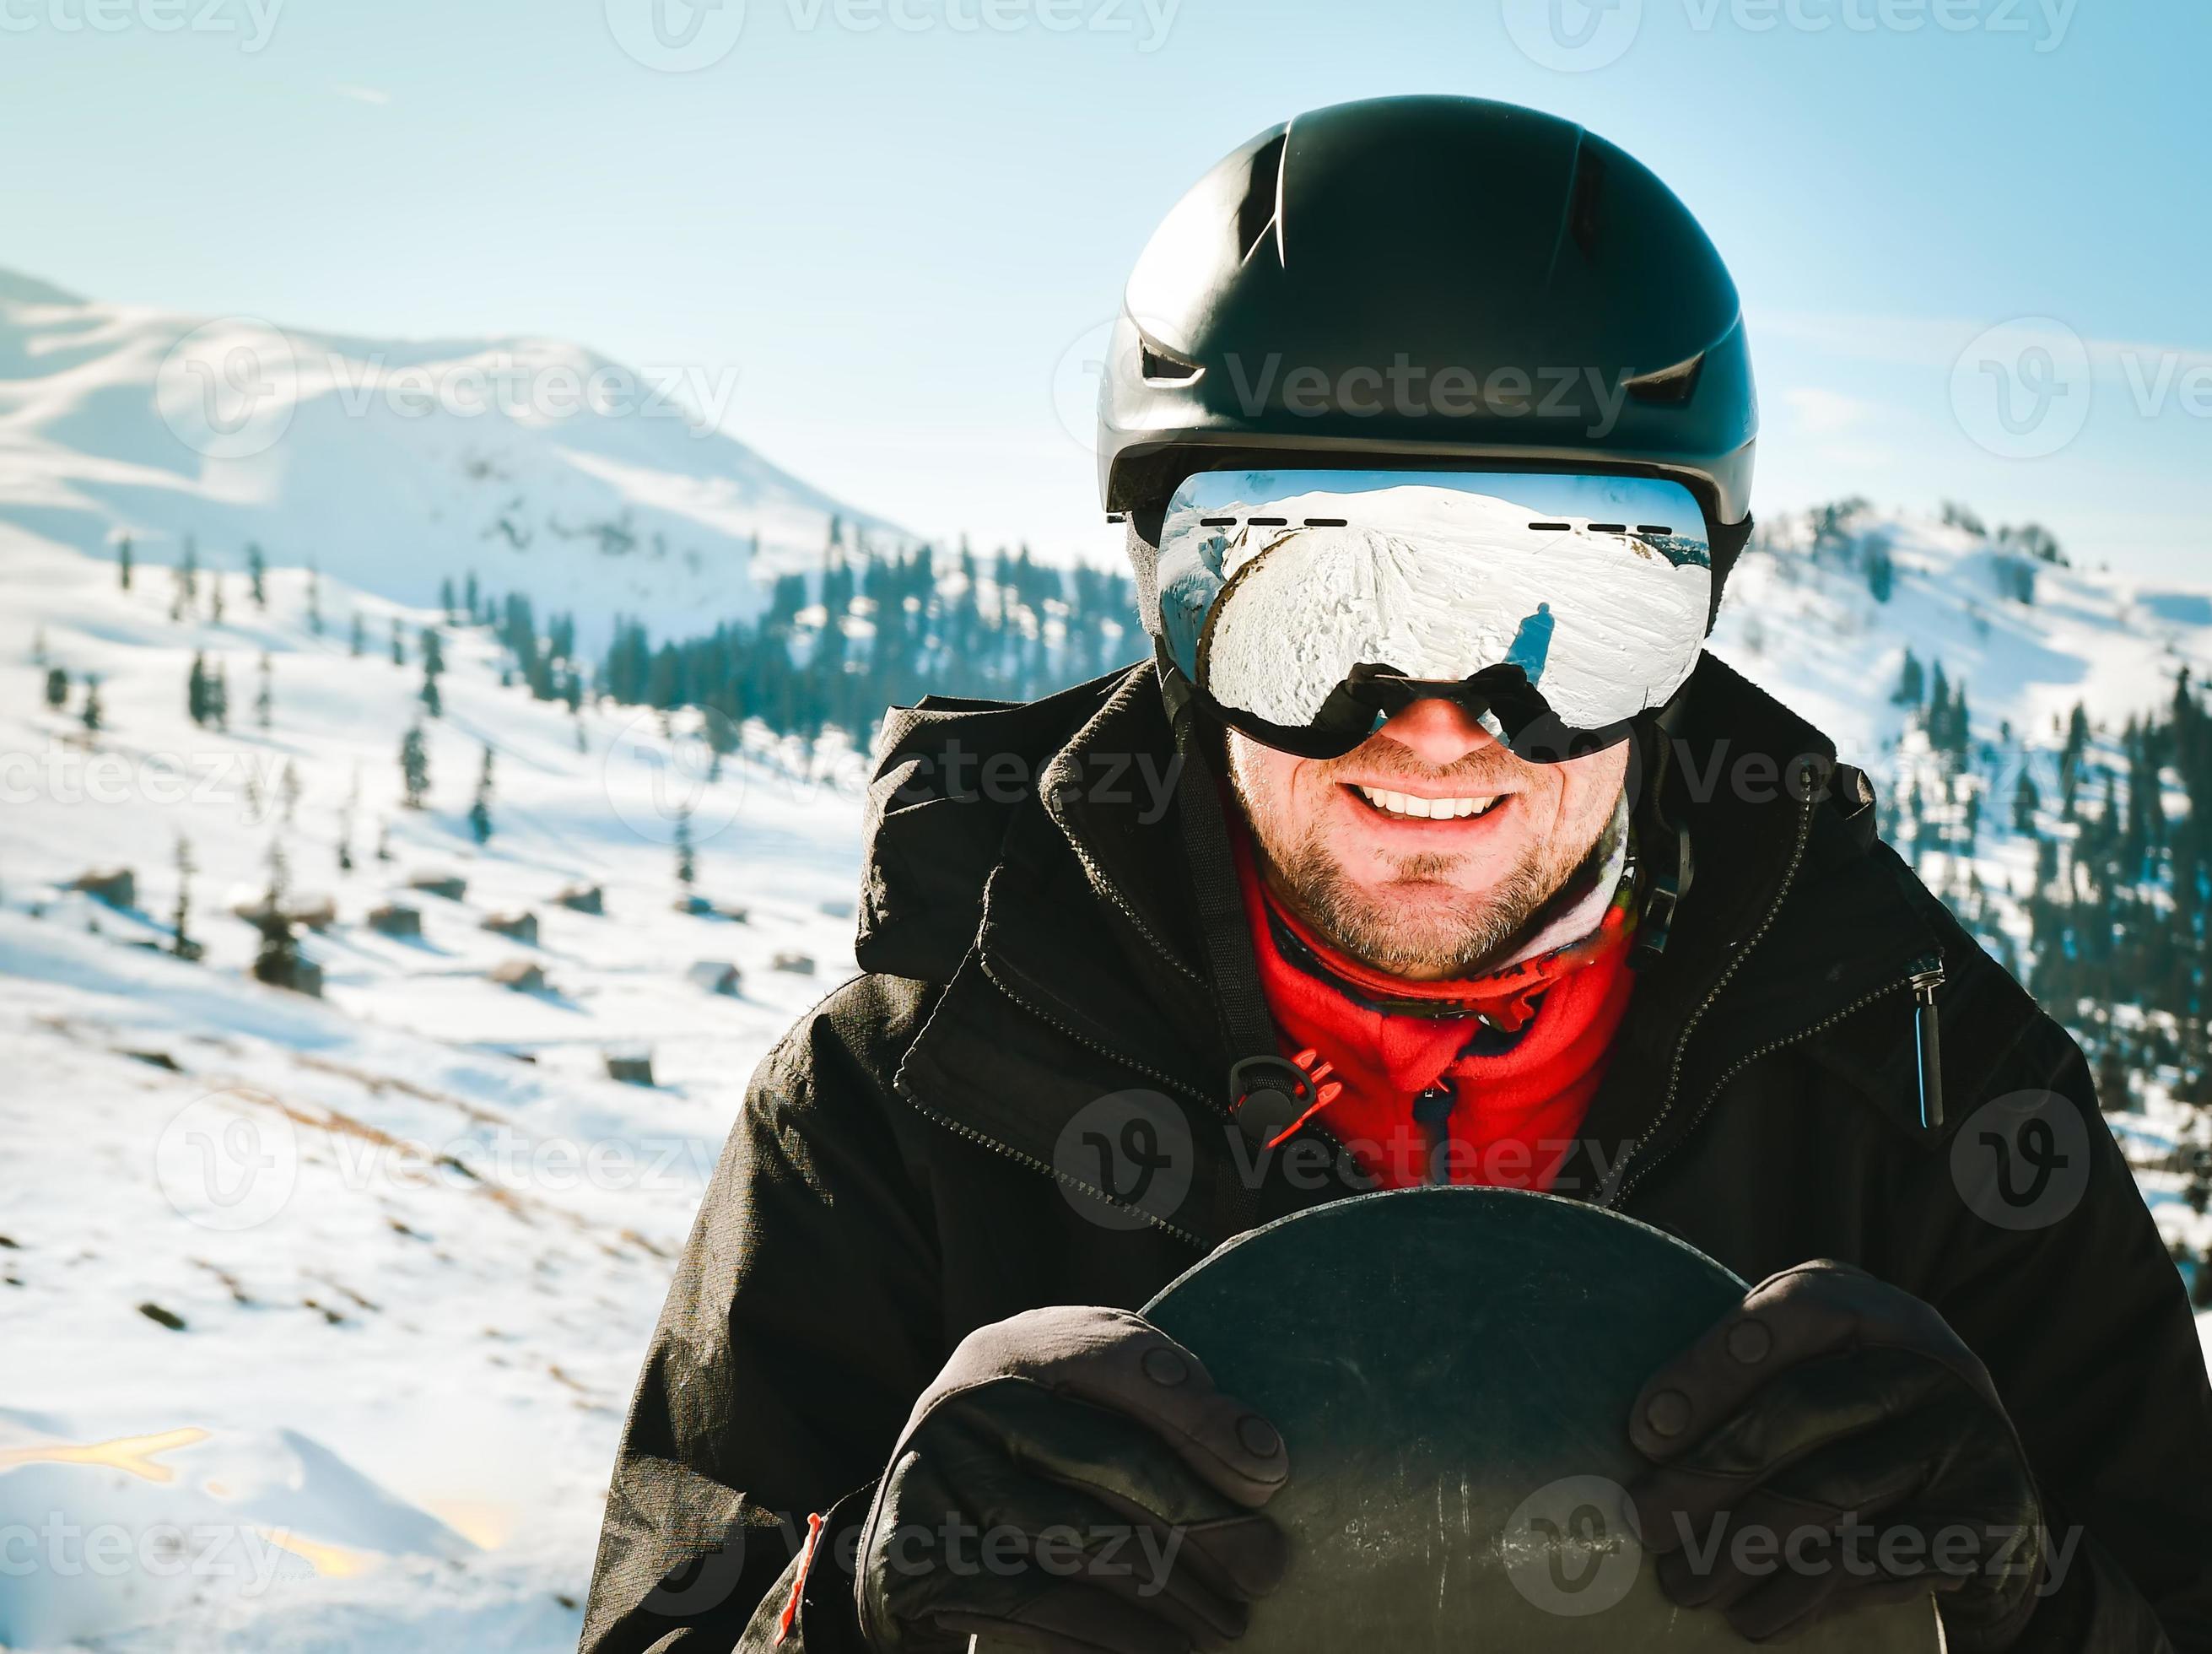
<point>1431,283</point>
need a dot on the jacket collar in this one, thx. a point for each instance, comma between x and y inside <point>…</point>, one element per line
<point>1085,918</point>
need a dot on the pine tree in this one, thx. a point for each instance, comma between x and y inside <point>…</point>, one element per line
<point>264,696</point>
<point>256,571</point>
<point>2115,1085</point>
<point>472,595</point>
<point>2077,737</point>
<point>91,713</point>
<point>277,960</point>
<point>434,662</point>
<point>687,871</point>
<point>345,822</point>
<point>414,768</point>
<point>188,571</point>
<point>218,701</point>
<point>445,599</point>
<point>355,640</point>
<point>181,943</point>
<point>287,791</point>
<point>1911,683</point>
<point>122,562</point>
<point>58,687</point>
<point>383,840</point>
<point>214,596</point>
<point>398,644</point>
<point>1880,572</point>
<point>195,691</point>
<point>314,598</point>
<point>480,809</point>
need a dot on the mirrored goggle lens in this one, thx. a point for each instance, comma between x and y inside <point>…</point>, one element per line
<point>1591,591</point>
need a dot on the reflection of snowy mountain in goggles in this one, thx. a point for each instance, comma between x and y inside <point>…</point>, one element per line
<point>1274,586</point>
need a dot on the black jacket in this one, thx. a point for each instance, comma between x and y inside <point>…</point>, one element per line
<point>899,1173</point>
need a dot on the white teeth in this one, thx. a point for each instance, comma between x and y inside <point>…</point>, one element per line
<point>1421,809</point>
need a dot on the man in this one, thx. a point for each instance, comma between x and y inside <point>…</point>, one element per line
<point>1370,880</point>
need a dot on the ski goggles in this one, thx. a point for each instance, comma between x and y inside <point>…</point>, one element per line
<point>1309,606</point>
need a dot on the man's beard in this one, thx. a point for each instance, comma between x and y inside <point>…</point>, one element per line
<point>1431,927</point>
<point>1428,927</point>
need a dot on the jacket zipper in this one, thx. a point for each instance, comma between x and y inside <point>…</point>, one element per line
<point>1750,1057</point>
<point>1927,1044</point>
<point>1055,1172</point>
<point>1057,1175</point>
<point>1925,977</point>
<point>1621,1184</point>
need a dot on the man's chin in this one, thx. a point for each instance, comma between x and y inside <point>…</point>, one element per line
<point>1424,928</point>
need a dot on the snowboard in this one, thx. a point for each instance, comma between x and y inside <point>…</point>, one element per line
<point>1452,1370</point>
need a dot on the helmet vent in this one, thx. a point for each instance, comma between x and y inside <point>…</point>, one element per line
<point>1256,213</point>
<point>1669,386</point>
<point>1161,369</point>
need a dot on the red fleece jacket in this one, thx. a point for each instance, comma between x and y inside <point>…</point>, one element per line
<point>1477,1080</point>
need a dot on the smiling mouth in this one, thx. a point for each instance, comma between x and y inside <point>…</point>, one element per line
<point>1410,807</point>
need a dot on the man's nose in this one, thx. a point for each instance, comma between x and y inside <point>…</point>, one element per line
<point>1437,731</point>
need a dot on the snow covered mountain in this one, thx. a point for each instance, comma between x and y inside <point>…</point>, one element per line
<point>325,1310</point>
<point>2029,638</point>
<point>591,486</point>
<point>334,1302</point>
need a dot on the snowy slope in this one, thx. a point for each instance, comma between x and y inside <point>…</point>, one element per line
<point>415,1237</point>
<point>593,486</point>
<point>1811,630</point>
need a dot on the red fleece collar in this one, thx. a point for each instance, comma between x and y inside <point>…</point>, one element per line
<point>1410,1082</point>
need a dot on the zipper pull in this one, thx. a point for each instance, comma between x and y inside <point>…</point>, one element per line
<point>1927,1039</point>
<point>1432,1112</point>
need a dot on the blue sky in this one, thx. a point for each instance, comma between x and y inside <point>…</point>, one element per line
<point>904,237</point>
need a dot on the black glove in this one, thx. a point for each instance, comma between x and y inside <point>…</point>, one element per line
<point>1837,1409</point>
<point>1072,1479</point>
